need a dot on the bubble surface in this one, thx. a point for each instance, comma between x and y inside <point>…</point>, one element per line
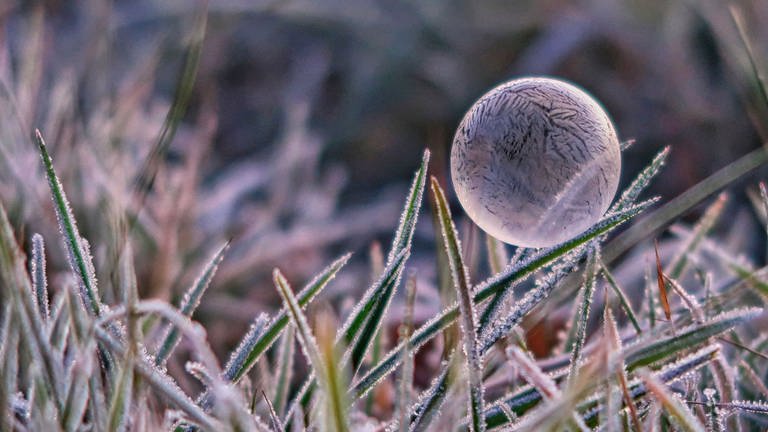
<point>535,161</point>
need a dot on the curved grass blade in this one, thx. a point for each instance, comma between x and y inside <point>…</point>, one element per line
<point>79,258</point>
<point>189,303</point>
<point>236,370</point>
<point>472,356</point>
<point>322,361</point>
<point>512,275</point>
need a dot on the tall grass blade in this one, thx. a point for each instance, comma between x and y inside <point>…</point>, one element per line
<point>79,258</point>
<point>473,357</point>
<point>410,214</point>
<point>625,305</point>
<point>405,387</point>
<point>327,377</point>
<point>285,370</point>
<point>582,316</point>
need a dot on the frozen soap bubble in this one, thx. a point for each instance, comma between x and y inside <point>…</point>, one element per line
<point>535,161</point>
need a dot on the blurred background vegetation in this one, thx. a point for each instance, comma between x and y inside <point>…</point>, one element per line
<point>307,119</point>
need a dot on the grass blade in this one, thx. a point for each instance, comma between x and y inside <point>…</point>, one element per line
<point>647,352</point>
<point>582,316</point>
<point>410,215</point>
<point>39,282</point>
<point>473,357</point>
<point>189,303</point>
<point>319,360</point>
<point>79,258</point>
<point>285,370</point>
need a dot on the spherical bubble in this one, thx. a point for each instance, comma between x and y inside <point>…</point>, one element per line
<point>535,162</point>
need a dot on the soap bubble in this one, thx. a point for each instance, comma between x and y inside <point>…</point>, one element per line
<point>535,161</point>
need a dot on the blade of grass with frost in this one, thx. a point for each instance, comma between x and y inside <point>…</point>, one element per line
<point>641,182</point>
<point>15,277</point>
<point>512,275</point>
<point>369,312</point>
<point>37,271</point>
<point>705,224</point>
<point>285,370</point>
<point>625,305</point>
<point>410,215</point>
<point>582,316</point>
<point>504,325</point>
<point>683,417</point>
<point>236,370</point>
<point>645,352</point>
<point>405,386</point>
<point>314,355</point>
<point>429,405</point>
<point>79,259</point>
<point>472,356</point>
<point>372,309</point>
<point>377,298</point>
<point>189,303</point>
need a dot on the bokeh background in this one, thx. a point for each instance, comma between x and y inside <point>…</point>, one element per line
<point>308,118</point>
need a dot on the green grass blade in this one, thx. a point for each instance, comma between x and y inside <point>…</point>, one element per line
<point>647,352</point>
<point>235,371</point>
<point>377,298</point>
<point>319,360</point>
<point>285,370</point>
<point>407,225</point>
<point>372,310</point>
<point>189,303</point>
<point>79,258</point>
<point>472,356</point>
